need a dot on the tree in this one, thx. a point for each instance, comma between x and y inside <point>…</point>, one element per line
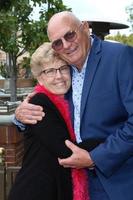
<point>129,10</point>
<point>5,4</point>
<point>128,40</point>
<point>123,38</point>
<point>20,33</point>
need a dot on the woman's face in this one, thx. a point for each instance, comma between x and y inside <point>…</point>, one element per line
<point>55,76</point>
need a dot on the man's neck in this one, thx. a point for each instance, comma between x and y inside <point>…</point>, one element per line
<point>81,64</point>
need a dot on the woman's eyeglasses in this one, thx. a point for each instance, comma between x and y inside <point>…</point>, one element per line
<point>70,36</point>
<point>51,72</point>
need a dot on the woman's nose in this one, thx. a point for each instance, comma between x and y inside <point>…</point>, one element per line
<point>58,73</point>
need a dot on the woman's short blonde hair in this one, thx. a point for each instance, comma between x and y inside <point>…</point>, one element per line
<point>43,55</point>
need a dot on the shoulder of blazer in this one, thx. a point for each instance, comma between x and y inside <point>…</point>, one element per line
<point>97,43</point>
<point>106,47</point>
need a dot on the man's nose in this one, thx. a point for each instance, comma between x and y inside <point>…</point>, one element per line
<point>66,43</point>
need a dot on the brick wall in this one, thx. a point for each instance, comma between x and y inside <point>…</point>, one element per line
<point>12,141</point>
<point>21,83</point>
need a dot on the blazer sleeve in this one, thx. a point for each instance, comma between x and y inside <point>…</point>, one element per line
<point>51,131</point>
<point>118,147</point>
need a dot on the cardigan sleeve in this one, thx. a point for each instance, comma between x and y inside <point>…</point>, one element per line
<point>52,130</point>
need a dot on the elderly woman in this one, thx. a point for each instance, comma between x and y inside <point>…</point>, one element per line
<point>41,177</point>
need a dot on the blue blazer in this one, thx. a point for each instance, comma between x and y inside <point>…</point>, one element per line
<point>107,113</point>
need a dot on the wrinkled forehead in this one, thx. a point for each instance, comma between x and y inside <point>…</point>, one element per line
<point>58,28</point>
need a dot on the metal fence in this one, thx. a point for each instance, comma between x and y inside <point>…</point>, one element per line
<point>2,175</point>
<point>10,177</point>
<point>7,176</point>
<point>2,183</point>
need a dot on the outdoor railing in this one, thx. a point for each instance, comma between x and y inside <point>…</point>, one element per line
<point>7,176</point>
<point>2,175</point>
<point>10,177</point>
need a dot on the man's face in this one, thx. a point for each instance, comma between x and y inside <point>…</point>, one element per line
<point>70,40</point>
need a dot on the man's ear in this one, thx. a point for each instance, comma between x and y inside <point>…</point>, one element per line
<point>85,25</point>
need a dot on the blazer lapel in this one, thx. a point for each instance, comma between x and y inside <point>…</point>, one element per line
<point>92,64</point>
<point>68,96</point>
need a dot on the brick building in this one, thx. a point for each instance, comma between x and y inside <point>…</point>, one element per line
<point>2,57</point>
<point>10,139</point>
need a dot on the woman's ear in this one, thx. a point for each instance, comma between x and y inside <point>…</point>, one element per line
<point>39,79</point>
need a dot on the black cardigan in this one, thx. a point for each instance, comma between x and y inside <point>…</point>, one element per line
<point>41,177</point>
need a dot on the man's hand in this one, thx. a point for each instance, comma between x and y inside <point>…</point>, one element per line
<point>28,113</point>
<point>80,158</point>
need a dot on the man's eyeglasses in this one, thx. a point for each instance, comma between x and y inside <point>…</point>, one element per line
<point>70,36</point>
<point>51,72</point>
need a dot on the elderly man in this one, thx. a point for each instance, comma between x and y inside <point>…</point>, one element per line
<point>101,101</point>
